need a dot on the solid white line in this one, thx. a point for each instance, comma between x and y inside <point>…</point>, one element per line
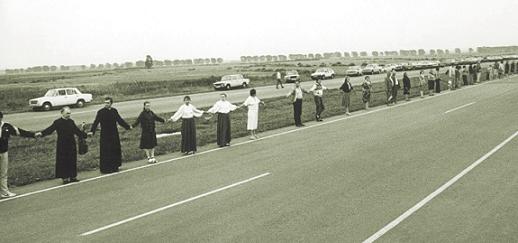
<point>458,108</point>
<point>427,199</point>
<point>172,205</point>
<point>243,143</point>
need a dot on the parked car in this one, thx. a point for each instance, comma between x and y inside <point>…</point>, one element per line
<point>291,76</point>
<point>60,97</point>
<point>390,67</point>
<point>408,66</point>
<point>354,71</point>
<point>323,73</point>
<point>232,81</point>
<point>371,69</point>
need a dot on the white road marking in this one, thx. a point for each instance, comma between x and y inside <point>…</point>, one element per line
<point>242,143</point>
<point>458,108</point>
<point>173,205</point>
<point>439,190</point>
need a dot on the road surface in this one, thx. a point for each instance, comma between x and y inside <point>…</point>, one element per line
<point>341,180</point>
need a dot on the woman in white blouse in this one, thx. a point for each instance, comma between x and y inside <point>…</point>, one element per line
<point>222,107</point>
<point>187,112</point>
<point>252,102</point>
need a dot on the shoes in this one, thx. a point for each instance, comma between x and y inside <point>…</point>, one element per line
<point>252,138</point>
<point>300,125</point>
<point>347,114</point>
<point>74,180</point>
<point>7,194</point>
<point>66,181</point>
<point>151,160</point>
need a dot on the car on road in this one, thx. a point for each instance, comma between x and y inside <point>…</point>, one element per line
<point>323,73</point>
<point>354,71</point>
<point>371,69</point>
<point>232,81</point>
<point>291,76</point>
<point>60,97</point>
<point>390,67</point>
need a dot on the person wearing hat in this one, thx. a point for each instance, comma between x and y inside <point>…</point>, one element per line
<point>6,131</point>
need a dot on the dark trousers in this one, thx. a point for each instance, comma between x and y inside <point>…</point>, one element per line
<point>297,111</point>
<point>319,105</point>
<point>279,82</point>
<point>394,94</point>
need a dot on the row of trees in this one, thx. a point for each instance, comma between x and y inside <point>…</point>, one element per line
<point>107,66</point>
<point>337,54</point>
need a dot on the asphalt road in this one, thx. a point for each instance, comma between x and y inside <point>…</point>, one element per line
<point>337,181</point>
<point>127,109</point>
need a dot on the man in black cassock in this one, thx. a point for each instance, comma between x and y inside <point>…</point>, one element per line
<point>66,149</point>
<point>110,145</point>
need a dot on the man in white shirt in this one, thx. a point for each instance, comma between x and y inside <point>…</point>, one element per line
<point>318,93</point>
<point>279,80</point>
<point>298,95</point>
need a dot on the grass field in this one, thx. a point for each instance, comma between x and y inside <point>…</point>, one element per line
<point>33,160</point>
<point>337,181</point>
<point>139,83</point>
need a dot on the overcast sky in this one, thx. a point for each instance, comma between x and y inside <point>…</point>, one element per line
<point>55,32</point>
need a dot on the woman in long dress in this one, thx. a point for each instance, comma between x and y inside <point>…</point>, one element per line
<point>252,102</point>
<point>223,108</point>
<point>66,149</point>
<point>147,119</point>
<point>187,112</point>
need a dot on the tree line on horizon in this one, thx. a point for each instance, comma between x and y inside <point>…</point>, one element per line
<point>115,65</point>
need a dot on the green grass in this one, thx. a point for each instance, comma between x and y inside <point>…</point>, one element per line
<point>33,160</point>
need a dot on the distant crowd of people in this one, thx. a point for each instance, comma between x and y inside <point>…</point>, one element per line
<point>108,118</point>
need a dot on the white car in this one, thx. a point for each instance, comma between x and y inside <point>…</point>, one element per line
<point>60,97</point>
<point>232,81</point>
<point>371,69</point>
<point>354,71</point>
<point>323,73</point>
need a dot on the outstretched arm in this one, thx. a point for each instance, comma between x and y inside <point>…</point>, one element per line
<point>121,121</point>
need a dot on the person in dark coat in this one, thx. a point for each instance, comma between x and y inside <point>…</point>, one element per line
<point>506,68</point>
<point>147,119</point>
<point>406,86</point>
<point>110,145</point>
<point>6,131</point>
<point>66,149</point>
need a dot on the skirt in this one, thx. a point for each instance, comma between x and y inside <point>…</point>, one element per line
<point>431,84</point>
<point>188,135</point>
<point>346,99</point>
<point>253,119</point>
<point>223,132</point>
